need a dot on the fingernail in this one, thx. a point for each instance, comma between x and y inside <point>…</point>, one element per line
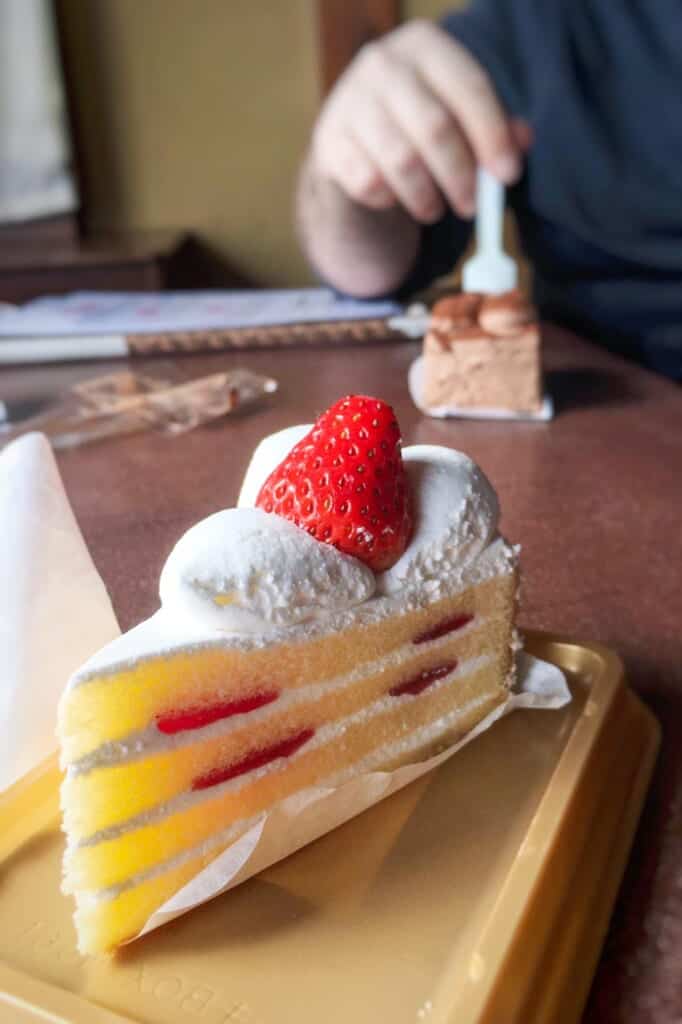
<point>431,215</point>
<point>507,168</point>
<point>432,210</point>
<point>467,205</point>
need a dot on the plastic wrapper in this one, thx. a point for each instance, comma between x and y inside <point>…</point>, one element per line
<point>127,403</point>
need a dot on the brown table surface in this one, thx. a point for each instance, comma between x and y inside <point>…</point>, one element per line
<point>595,499</point>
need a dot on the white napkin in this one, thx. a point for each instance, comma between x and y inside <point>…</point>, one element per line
<point>54,608</point>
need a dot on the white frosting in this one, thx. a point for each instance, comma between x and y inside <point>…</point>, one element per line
<point>269,453</point>
<point>274,583</point>
<point>243,569</point>
<point>455,513</point>
<point>164,634</point>
<point>455,507</point>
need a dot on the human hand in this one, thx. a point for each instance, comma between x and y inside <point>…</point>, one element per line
<point>408,122</point>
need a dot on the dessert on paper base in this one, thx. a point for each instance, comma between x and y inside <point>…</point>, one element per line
<point>316,648</point>
<point>482,357</point>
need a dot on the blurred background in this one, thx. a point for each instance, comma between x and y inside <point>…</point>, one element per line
<point>155,144</point>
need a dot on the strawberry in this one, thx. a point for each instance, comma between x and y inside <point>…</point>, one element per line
<point>345,482</point>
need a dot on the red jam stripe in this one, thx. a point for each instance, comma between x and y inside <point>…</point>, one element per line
<point>253,760</point>
<point>197,717</point>
<point>450,625</point>
<point>420,682</point>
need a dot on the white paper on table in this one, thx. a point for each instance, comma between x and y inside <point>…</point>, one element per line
<point>415,377</point>
<point>54,609</point>
<point>310,813</point>
<point>120,313</point>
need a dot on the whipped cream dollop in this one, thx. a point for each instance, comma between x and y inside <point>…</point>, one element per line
<point>455,512</point>
<point>245,570</point>
<point>272,450</point>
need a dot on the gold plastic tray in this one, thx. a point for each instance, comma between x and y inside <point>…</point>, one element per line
<point>480,893</point>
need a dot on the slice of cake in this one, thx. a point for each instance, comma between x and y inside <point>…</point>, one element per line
<point>483,352</point>
<point>360,617</point>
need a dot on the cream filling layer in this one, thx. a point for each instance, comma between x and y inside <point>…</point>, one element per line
<point>140,744</point>
<point>381,755</point>
<point>325,734</point>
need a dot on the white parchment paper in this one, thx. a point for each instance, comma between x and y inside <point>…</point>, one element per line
<point>54,608</point>
<point>310,813</point>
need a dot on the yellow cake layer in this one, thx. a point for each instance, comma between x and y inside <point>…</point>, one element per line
<point>111,794</point>
<point>114,860</point>
<point>104,924</point>
<point>112,705</point>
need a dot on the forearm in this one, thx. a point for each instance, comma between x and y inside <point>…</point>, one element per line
<point>358,250</point>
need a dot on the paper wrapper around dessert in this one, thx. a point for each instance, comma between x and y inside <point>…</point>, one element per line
<point>309,814</point>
